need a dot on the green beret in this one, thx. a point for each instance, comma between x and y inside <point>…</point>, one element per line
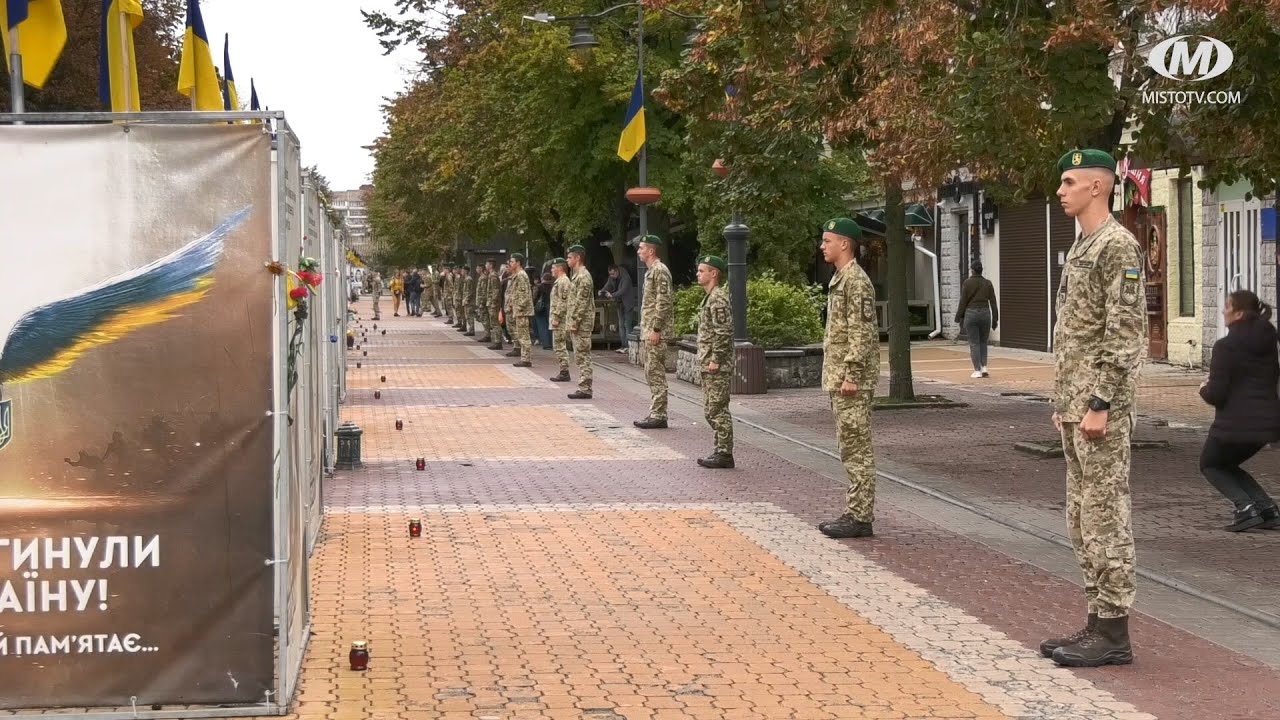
<point>559,261</point>
<point>843,226</point>
<point>1077,159</point>
<point>577,249</point>
<point>518,257</point>
<point>715,262</point>
<point>652,240</point>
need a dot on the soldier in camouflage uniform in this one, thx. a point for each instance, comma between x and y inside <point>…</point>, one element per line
<point>560,317</point>
<point>1098,344</point>
<point>446,293</point>
<point>468,302</point>
<point>433,294</point>
<point>495,294</point>
<point>657,325</point>
<point>459,305</point>
<point>582,319</point>
<point>519,309</point>
<point>850,368</point>
<point>715,357</point>
<point>482,300</point>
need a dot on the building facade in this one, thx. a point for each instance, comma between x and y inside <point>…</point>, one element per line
<point>353,204</point>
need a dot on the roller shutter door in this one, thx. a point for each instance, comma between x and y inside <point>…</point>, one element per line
<point>1023,289</point>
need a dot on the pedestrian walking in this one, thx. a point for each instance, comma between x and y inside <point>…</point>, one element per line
<point>542,311</point>
<point>1241,387</point>
<point>582,319</point>
<point>619,289</point>
<point>414,289</point>
<point>1098,343</point>
<point>397,292</point>
<point>375,289</point>
<point>657,325</point>
<point>980,314</point>
<point>559,316</point>
<point>519,309</point>
<point>715,356</point>
<point>850,369</point>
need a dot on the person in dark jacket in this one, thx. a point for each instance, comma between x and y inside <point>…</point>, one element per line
<point>542,312</point>
<point>979,315</point>
<point>1242,389</point>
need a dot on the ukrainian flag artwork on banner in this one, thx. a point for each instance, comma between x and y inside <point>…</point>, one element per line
<point>230,98</point>
<point>42,33</point>
<point>197,77</point>
<point>633,127</point>
<point>117,62</point>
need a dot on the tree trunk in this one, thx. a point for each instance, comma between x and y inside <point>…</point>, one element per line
<point>899,252</point>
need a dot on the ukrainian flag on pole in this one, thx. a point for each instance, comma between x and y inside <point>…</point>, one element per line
<point>230,98</point>
<point>197,77</point>
<point>41,35</point>
<point>633,127</point>
<point>117,63</point>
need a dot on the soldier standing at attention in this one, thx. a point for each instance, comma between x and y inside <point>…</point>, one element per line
<point>482,301</point>
<point>1097,354</point>
<point>560,317</point>
<point>460,282</point>
<point>375,289</point>
<point>431,291</point>
<point>850,368</point>
<point>446,293</point>
<point>657,324</point>
<point>520,309</point>
<point>715,357</point>
<point>582,319</point>
<point>495,306</point>
<point>468,299</point>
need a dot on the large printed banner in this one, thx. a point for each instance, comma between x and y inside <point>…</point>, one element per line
<point>135,439</point>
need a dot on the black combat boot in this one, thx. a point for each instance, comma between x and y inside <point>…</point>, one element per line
<point>1246,518</point>
<point>1048,646</point>
<point>653,423</point>
<point>1108,644</point>
<point>715,461</point>
<point>562,377</point>
<point>496,346</point>
<point>522,363</point>
<point>1270,518</point>
<point>485,339</point>
<point>579,395</point>
<point>469,333</point>
<point>515,352</point>
<point>845,526</point>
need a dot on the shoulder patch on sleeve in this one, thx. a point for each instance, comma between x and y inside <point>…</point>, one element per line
<point>1132,274</point>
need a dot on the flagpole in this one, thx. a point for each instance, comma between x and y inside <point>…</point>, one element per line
<point>16,88</point>
<point>126,69</point>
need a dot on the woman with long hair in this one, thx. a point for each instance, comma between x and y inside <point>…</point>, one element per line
<point>1243,377</point>
<point>978,314</point>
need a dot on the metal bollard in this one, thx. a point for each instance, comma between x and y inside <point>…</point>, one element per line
<point>348,435</point>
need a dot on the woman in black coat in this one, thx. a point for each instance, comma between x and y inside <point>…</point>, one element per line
<point>1242,388</point>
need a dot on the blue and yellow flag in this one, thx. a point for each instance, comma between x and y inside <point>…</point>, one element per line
<point>633,127</point>
<point>253,97</point>
<point>117,62</point>
<point>230,98</point>
<point>41,35</point>
<point>197,77</point>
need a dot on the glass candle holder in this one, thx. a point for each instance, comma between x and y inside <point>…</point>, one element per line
<point>399,424</point>
<point>359,655</point>
<point>421,464</point>
<point>415,528</point>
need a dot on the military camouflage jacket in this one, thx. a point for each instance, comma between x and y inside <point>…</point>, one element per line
<point>459,284</point>
<point>482,289</point>
<point>468,290</point>
<point>851,347</point>
<point>519,294</point>
<point>1101,332</point>
<point>560,300</point>
<point>582,300</point>
<point>657,314</point>
<point>494,289</point>
<point>715,330</point>
<point>447,286</point>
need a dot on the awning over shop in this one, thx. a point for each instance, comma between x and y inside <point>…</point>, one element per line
<point>872,221</point>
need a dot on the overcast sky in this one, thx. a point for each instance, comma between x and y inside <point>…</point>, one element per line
<point>318,62</point>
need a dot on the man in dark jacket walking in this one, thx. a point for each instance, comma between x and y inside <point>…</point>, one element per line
<point>1242,388</point>
<point>618,288</point>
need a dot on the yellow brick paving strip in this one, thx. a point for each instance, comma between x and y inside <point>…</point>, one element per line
<point>442,377</point>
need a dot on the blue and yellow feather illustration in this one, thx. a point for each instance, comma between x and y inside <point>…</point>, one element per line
<point>50,338</point>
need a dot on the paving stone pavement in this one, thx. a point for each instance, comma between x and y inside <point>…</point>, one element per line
<point>574,567</point>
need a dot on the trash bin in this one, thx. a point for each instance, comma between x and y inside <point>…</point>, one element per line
<point>748,371</point>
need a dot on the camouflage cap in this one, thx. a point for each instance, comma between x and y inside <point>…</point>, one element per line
<point>714,261</point>
<point>843,226</point>
<point>652,240</point>
<point>1088,158</point>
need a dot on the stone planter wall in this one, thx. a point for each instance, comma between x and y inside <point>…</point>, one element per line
<point>786,368</point>
<point>638,350</point>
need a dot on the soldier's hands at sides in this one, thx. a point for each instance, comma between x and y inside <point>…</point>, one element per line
<point>655,338</point>
<point>573,327</point>
<point>848,388</point>
<point>1057,422</point>
<point>1094,425</point>
<point>555,324</point>
<point>713,367</point>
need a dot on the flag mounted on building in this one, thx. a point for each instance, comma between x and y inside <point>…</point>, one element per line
<point>633,127</point>
<point>117,62</point>
<point>42,33</point>
<point>253,97</point>
<point>230,98</point>
<point>197,78</point>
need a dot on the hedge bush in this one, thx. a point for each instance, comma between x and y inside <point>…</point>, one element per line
<point>778,314</point>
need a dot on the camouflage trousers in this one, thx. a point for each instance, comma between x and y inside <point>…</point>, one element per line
<point>853,430</point>
<point>520,336</point>
<point>581,355</point>
<point>715,406</point>
<point>377,297</point>
<point>655,371</point>
<point>469,316</point>
<point>482,318</point>
<point>1098,520</point>
<point>560,342</point>
<point>495,331</point>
